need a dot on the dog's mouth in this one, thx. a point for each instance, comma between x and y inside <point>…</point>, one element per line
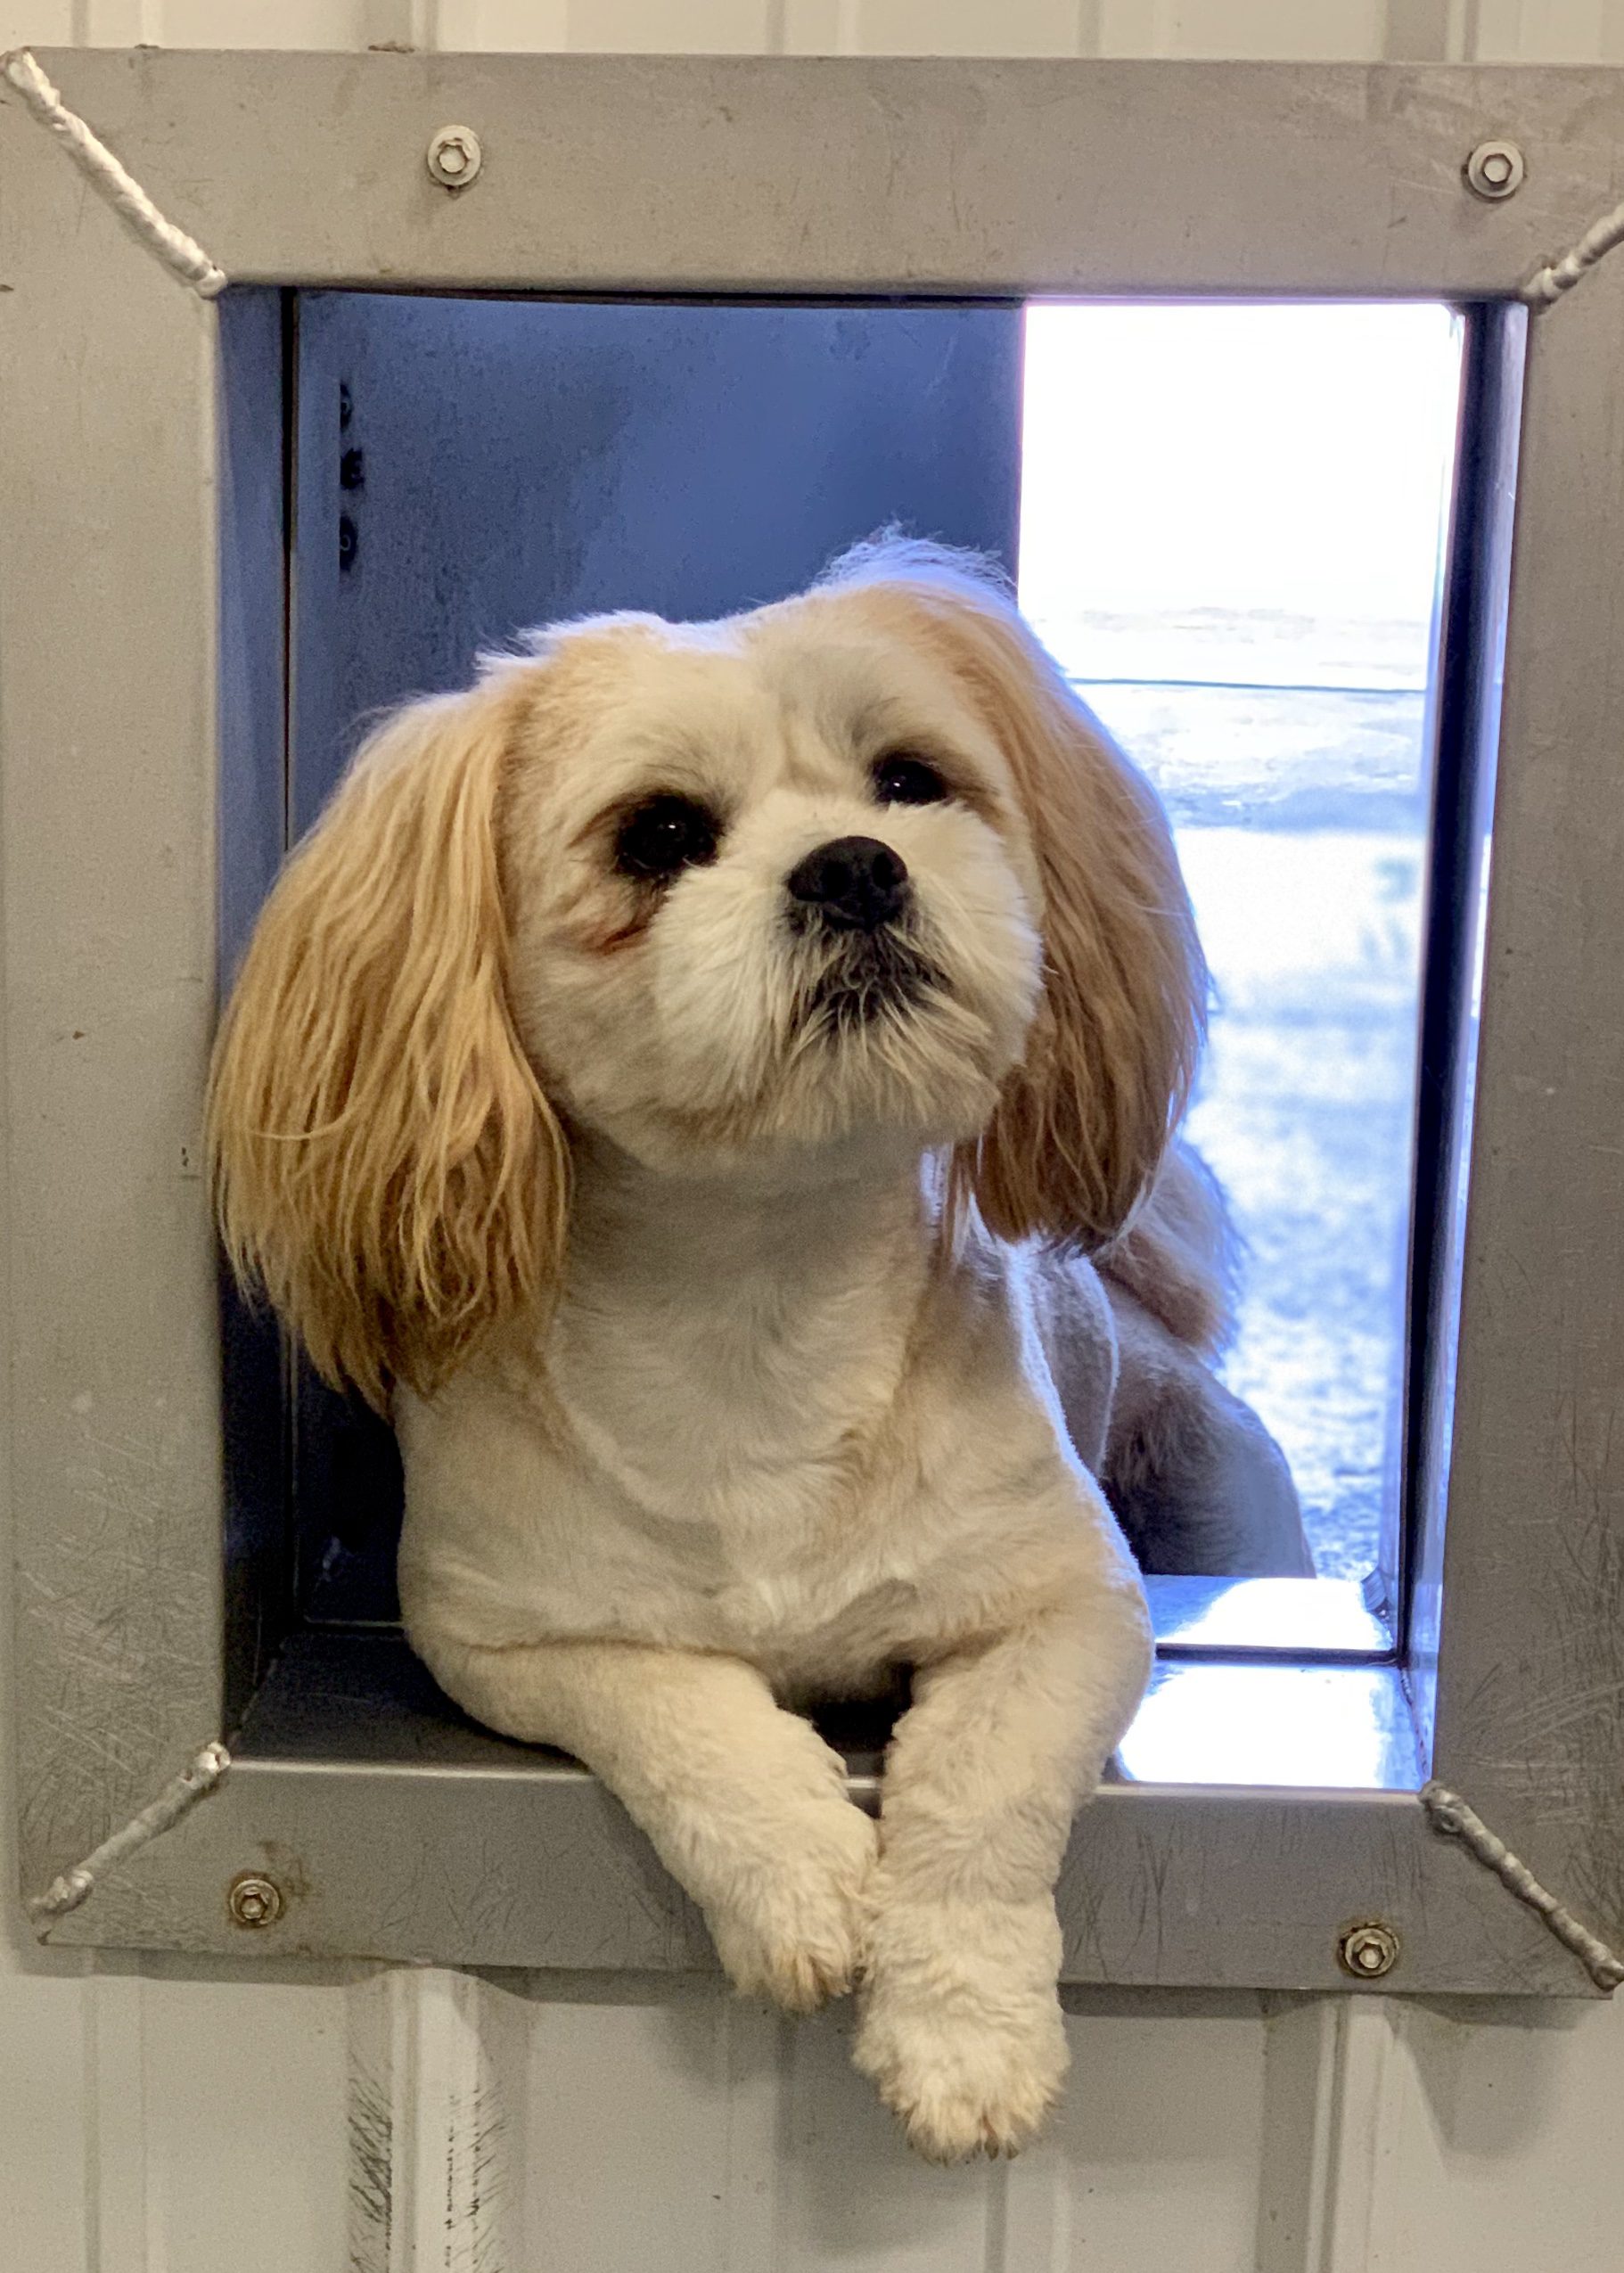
<point>869,978</point>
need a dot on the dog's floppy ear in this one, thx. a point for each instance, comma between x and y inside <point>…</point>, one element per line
<point>385,1165</point>
<point>1084,1119</point>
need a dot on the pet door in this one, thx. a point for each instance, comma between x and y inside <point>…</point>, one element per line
<point>191,476</point>
<point>1229,523</point>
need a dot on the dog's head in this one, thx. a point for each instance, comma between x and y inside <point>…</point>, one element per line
<point>854,874</point>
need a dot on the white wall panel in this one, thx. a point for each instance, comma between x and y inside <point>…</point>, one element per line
<point>119,23</point>
<point>1156,2150</point>
<point>157,2121</point>
<point>1427,31</point>
<point>1502,2141</point>
<point>244,2104</point>
<point>1325,29</point>
<point>710,27</point>
<point>1567,31</point>
<point>499,26</point>
<point>628,2116</point>
<point>251,24</point>
<point>44,21</point>
<point>1549,32</point>
<point>47,2122</point>
<point>821,27</point>
<point>603,27</point>
<point>851,2194</point>
<point>953,27</point>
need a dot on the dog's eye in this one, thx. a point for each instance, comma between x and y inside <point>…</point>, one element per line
<point>663,837</point>
<point>900,779</point>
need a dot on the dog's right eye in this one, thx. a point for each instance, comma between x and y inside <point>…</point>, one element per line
<point>663,837</point>
<point>899,778</point>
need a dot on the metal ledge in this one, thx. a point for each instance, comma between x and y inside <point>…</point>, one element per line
<point>363,1701</point>
<point>535,1866</point>
<point>398,1829</point>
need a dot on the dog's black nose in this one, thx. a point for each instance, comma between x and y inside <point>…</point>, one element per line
<point>855,883</point>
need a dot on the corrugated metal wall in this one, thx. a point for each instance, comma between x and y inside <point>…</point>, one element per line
<point>157,2118</point>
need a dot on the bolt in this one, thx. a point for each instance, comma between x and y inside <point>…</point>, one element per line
<point>1367,1951</point>
<point>455,157</point>
<point>254,1900</point>
<point>1496,169</point>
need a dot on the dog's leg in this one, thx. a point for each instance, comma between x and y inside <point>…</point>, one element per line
<point>745,1804</point>
<point>961,2026</point>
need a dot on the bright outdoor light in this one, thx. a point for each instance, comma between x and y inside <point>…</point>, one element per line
<point>1231,527</point>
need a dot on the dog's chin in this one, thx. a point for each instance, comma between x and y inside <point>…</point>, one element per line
<point>880,1066</point>
<point>883,1039</point>
<point>872,1063</point>
<point>869,992</point>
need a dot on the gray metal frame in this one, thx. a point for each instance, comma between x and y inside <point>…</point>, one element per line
<point>141,680</point>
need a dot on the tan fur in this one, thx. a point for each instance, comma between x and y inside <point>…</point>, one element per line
<point>386,1166</point>
<point>1085,1118</point>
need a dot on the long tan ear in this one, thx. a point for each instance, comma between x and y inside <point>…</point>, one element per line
<point>1083,1121</point>
<point>385,1166</point>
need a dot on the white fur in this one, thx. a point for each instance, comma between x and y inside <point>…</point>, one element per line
<point>799,1449</point>
<point>785,1442</point>
<point>779,1432</point>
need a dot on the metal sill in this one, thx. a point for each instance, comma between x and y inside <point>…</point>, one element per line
<point>398,1830</point>
<point>363,1700</point>
<point>1259,1682</point>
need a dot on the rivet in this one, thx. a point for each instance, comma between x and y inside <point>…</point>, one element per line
<point>455,157</point>
<point>1496,169</point>
<point>1367,1951</point>
<point>253,1900</point>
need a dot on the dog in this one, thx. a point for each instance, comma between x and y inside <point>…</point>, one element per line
<point>716,1087</point>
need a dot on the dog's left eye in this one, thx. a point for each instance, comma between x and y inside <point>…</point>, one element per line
<point>663,837</point>
<point>902,779</point>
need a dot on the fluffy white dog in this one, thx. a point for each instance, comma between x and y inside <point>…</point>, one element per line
<point>681,1079</point>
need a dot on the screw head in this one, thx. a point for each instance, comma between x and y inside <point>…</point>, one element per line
<point>1496,169</point>
<point>253,1900</point>
<point>1367,1951</point>
<point>455,157</point>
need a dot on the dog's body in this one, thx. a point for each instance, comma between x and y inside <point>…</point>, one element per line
<point>711,1177</point>
<point>791,1430</point>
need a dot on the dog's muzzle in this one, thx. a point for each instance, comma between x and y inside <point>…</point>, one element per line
<point>849,901</point>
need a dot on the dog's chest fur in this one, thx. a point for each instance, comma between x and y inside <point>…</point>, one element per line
<point>792,1429</point>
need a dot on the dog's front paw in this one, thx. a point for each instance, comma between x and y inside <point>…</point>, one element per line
<point>793,1927</point>
<point>961,2027</point>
